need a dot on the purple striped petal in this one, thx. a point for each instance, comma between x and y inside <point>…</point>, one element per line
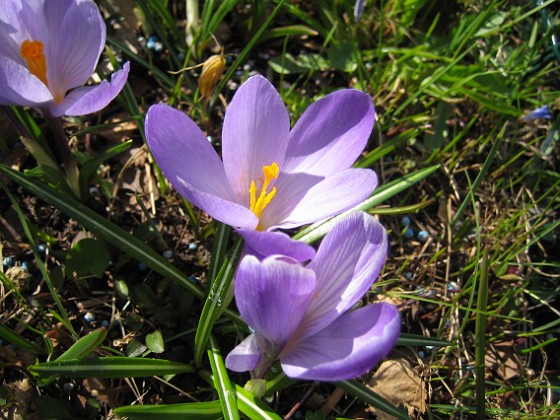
<point>246,355</point>
<point>265,244</point>
<point>347,263</point>
<point>302,203</point>
<point>19,87</point>
<point>331,134</point>
<point>89,99</point>
<point>192,165</point>
<point>255,134</point>
<point>76,40</point>
<point>349,347</point>
<point>272,295</point>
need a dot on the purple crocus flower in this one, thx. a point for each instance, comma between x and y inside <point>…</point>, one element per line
<point>358,10</point>
<point>302,315</point>
<point>270,177</point>
<point>542,112</point>
<point>48,50</point>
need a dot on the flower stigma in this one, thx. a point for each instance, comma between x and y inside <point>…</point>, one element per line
<point>32,52</point>
<point>257,205</point>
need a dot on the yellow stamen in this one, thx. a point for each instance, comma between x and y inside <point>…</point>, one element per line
<point>257,205</point>
<point>32,52</point>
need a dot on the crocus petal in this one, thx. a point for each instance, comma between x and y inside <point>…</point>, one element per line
<point>88,99</point>
<point>348,347</point>
<point>246,355</point>
<point>19,87</point>
<point>265,244</point>
<point>216,206</point>
<point>331,196</point>
<point>347,263</point>
<point>272,295</point>
<point>358,10</point>
<point>192,165</point>
<point>331,134</point>
<point>74,45</point>
<point>255,134</point>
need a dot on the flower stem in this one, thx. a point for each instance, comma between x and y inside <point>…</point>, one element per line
<point>69,163</point>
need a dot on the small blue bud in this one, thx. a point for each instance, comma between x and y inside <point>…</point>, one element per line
<point>405,221</point>
<point>409,233</point>
<point>193,246</point>
<point>42,249</point>
<point>453,287</point>
<point>192,279</point>
<point>142,266</point>
<point>423,236</point>
<point>105,323</point>
<point>25,266</point>
<point>89,317</point>
<point>408,275</point>
<point>168,254</point>
<point>8,261</point>
<point>151,42</point>
<point>421,354</point>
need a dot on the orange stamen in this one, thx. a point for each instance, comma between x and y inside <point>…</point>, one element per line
<point>257,205</point>
<point>32,52</point>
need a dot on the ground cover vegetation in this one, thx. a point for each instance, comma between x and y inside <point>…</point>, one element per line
<point>116,291</point>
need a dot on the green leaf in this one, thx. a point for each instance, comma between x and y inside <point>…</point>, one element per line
<point>218,299</point>
<point>14,338</point>
<point>222,382</point>
<point>87,257</point>
<point>342,56</point>
<point>155,343</point>
<point>110,367</point>
<point>84,346</point>
<point>419,340</point>
<point>196,410</point>
<point>253,407</point>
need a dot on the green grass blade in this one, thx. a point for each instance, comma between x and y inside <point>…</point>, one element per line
<point>418,340</point>
<point>14,338</point>
<point>480,176</point>
<point>367,396</point>
<point>84,346</point>
<point>318,230</point>
<point>103,228</point>
<point>480,331</point>
<point>241,57</point>
<point>217,301</point>
<point>222,382</point>
<point>252,407</point>
<point>195,410</point>
<point>111,367</point>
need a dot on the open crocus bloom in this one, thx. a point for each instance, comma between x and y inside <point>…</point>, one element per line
<point>271,177</point>
<point>48,49</point>
<point>302,315</point>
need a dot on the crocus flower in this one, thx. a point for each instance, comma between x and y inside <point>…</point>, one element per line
<point>542,112</point>
<point>302,315</point>
<point>271,177</point>
<point>358,10</point>
<point>48,50</point>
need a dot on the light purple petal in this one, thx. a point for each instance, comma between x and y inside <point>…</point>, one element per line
<point>19,87</point>
<point>192,165</point>
<point>264,244</point>
<point>348,347</point>
<point>347,263</point>
<point>246,355</point>
<point>358,10</point>
<point>255,134</point>
<point>331,134</point>
<point>89,99</point>
<point>11,31</point>
<point>272,295</point>
<point>331,196</point>
<point>74,44</point>
<point>216,206</point>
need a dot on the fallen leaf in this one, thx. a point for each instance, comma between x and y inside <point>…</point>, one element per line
<point>396,381</point>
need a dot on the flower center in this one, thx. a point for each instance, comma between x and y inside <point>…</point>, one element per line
<point>258,204</point>
<point>32,52</point>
